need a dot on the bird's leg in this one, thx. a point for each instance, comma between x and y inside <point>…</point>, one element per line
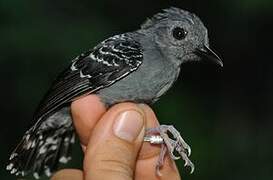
<point>175,143</point>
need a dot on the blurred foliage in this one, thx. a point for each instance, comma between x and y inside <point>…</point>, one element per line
<point>225,115</point>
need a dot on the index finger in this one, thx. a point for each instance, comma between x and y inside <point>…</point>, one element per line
<point>86,113</point>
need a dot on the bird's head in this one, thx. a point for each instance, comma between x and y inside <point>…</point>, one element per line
<point>180,35</point>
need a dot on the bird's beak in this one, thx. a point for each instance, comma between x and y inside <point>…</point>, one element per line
<point>206,52</point>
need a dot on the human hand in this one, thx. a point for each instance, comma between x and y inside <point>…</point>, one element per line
<point>112,142</point>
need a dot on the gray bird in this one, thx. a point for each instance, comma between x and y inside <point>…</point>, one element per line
<point>137,66</point>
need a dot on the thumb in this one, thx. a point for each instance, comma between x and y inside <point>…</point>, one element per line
<point>114,144</point>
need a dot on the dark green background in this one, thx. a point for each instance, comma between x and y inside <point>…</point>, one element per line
<point>226,115</point>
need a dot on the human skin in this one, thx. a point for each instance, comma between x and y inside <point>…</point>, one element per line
<point>109,154</point>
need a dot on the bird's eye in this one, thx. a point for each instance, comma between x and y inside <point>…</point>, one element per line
<point>179,33</point>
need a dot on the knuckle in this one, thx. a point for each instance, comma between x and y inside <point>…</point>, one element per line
<point>115,158</point>
<point>116,167</point>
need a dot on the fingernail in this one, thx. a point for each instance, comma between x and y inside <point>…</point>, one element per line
<point>128,125</point>
<point>141,106</point>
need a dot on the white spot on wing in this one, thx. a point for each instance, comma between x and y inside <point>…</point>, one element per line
<point>73,67</point>
<point>53,147</point>
<point>10,166</point>
<point>72,140</point>
<point>13,155</point>
<point>42,150</point>
<point>84,76</point>
<point>27,137</point>
<point>128,47</point>
<point>36,175</point>
<point>99,60</point>
<point>33,144</point>
<point>111,54</point>
<point>41,137</point>
<point>64,159</point>
<point>14,170</point>
<point>48,172</point>
<point>50,140</point>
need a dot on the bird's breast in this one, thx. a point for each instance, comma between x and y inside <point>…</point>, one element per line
<point>145,85</point>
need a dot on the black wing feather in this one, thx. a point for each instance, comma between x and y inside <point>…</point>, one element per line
<point>48,141</point>
<point>107,63</point>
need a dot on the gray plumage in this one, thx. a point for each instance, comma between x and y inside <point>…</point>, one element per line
<point>162,57</point>
<point>139,66</point>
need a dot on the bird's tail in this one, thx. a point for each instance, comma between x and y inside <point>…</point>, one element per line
<point>43,146</point>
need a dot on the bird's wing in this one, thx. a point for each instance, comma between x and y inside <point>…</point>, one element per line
<point>110,61</point>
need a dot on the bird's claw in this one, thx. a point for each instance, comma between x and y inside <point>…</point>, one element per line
<point>187,161</point>
<point>177,144</point>
<point>174,144</point>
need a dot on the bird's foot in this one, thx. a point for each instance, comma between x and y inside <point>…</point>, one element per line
<point>171,140</point>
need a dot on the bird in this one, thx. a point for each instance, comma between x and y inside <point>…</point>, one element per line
<point>138,66</point>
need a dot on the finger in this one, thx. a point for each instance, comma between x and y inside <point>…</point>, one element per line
<point>149,154</point>
<point>86,112</point>
<point>115,142</point>
<point>148,150</point>
<point>68,174</point>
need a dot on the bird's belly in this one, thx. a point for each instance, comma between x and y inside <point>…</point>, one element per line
<point>138,87</point>
<point>133,92</point>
